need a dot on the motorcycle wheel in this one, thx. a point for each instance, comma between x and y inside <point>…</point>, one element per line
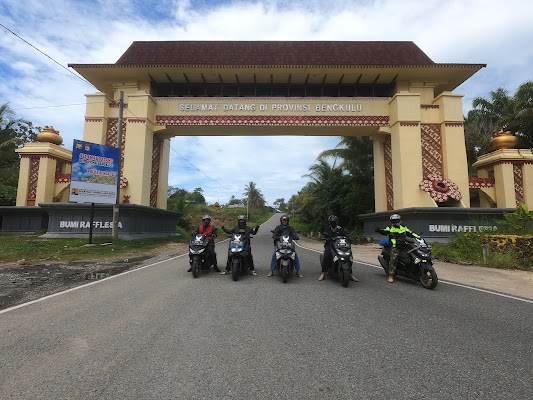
<point>428,278</point>
<point>235,270</point>
<point>195,268</point>
<point>284,273</point>
<point>345,277</point>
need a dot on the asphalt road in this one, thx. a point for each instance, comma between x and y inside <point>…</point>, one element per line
<point>157,333</point>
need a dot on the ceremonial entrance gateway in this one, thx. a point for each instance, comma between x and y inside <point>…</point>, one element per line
<point>390,91</point>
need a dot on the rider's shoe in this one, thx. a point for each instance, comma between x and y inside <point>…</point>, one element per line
<point>322,276</point>
<point>225,272</point>
<point>297,274</point>
<point>353,278</point>
<point>216,268</point>
<point>270,274</point>
<point>253,272</point>
<point>391,278</point>
<point>189,270</point>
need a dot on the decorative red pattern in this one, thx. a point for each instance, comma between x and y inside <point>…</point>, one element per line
<point>453,124</point>
<point>476,183</point>
<point>62,178</point>
<point>518,184</point>
<point>429,106</point>
<point>115,104</point>
<point>154,180</point>
<point>409,123</point>
<point>90,119</point>
<point>272,120</point>
<point>388,173</point>
<point>440,189</point>
<point>430,138</point>
<point>32,181</point>
<point>137,120</point>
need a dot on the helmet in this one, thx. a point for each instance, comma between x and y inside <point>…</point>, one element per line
<point>395,219</point>
<point>332,219</point>
<point>284,217</point>
<point>241,219</point>
<point>206,219</point>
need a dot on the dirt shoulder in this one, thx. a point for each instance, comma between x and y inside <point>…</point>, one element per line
<point>23,283</point>
<point>510,282</point>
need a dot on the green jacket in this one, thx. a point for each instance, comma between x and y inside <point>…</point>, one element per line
<point>397,234</point>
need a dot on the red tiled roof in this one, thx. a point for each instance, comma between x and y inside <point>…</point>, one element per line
<point>273,53</point>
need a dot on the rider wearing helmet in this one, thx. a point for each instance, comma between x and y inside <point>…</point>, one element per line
<point>246,231</point>
<point>284,229</point>
<point>210,232</point>
<point>331,232</point>
<point>397,234</point>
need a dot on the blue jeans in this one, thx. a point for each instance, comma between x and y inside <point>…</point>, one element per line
<point>273,261</point>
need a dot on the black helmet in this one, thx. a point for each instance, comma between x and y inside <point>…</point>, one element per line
<point>333,220</point>
<point>241,219</point>
<point>206,219</point>
<point>284,216</point>
<point>395,219</point>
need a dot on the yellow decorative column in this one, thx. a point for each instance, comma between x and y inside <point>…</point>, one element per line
<point>454,162</point>
<point>405,116</point>
<point>39,167</point>
<point>512,170</point>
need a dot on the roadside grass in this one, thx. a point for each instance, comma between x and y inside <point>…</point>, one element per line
<point>468,248</point>
<point>28,249</point>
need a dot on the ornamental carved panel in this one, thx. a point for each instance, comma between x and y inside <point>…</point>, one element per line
<point>388,173</point>
<point>154,179</point>
<point>32,181</point>
<point>431,141</point>
<point>518,183</point>
<point>112,138</point>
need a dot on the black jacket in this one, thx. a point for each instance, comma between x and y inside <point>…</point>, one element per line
<point>331,234</point>
<point>281,230</point>
<point>246,232</point>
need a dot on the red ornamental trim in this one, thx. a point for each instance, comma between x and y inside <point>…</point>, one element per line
<point>123,182</point>
<point>476,183</point>
<point>91,119</point>
<point>429,106</point>
<point>409,123</point>
<point>272,120</point>
<point>137,120</point>
<point>440,189</point>
<point>39,156</point>
<point>62,178</point>
<point>453,124</point>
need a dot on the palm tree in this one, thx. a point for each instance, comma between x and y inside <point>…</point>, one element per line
<point>356,154</point>
<point>254,197</point>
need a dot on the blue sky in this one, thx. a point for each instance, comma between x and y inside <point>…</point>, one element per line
<point>492,32</point>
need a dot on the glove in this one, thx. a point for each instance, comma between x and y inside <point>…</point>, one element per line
<point>378,230</point>
<point>257,227</point>
<point>223,227</point>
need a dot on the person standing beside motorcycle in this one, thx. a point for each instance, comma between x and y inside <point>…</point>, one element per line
<point>397,234</point>
<point>331,232</point>
<point>210,233</point>
<point>246,231</point>
<point>284,229</point>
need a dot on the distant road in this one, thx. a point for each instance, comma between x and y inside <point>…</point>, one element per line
<point>157,333</point>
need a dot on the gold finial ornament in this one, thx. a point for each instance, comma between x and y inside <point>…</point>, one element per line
<point>503,140</point>
<point>50,135</point>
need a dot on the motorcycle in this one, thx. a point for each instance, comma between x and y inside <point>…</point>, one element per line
<point>414,262</point>
<point>198,254</point>
<point>341,249</point>
<point>285,256</point>
<point>236,256</point>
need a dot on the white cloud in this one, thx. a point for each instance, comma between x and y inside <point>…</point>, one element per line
<point>454,31</point>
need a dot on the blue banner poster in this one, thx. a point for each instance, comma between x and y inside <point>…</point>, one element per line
<point>94,173</point>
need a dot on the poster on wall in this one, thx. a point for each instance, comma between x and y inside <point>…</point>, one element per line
<point>94,173</point>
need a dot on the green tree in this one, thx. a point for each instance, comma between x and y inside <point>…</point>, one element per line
<point>253,196</point>
<point>280,204</point>
<point>13,134</point>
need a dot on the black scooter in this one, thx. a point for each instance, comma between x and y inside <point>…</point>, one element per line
<point>285,256</point>
<point>236,256</point>
<point>198,254</point>
<point>414,262</point>
<point>341,249</point>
